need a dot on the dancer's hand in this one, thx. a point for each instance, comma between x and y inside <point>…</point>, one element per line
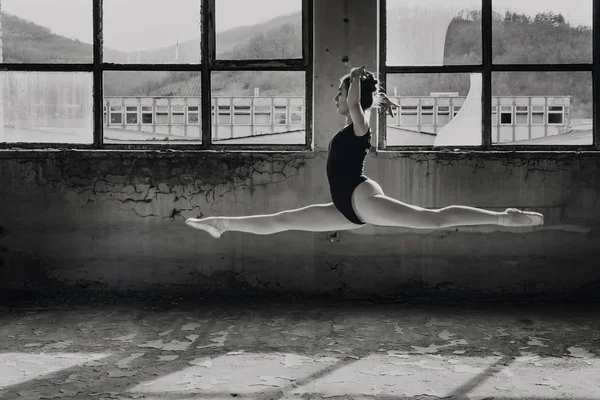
<point>386,105</point>
<point>358,72</point>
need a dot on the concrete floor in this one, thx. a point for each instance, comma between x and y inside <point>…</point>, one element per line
<point>297,348</point>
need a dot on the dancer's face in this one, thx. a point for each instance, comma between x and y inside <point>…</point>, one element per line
<point>341,99</point>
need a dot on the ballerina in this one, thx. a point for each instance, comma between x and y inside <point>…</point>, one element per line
<point>357,199</point>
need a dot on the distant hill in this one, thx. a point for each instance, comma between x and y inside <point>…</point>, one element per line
<point>271,40</point>
<point>518,38</point>
<point>543,38</point>
<point>26,42</point>
<point>281,37</point>
<point>228,44</point>
<point>546,38</point>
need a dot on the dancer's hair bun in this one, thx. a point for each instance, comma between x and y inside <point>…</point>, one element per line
<point>371,82</point>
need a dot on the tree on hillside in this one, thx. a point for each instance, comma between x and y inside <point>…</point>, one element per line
<point>27,42</point>
<point>517,38</point>
<point>278,43</point>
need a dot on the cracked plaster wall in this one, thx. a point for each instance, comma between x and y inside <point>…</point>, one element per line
<point>114,220</point>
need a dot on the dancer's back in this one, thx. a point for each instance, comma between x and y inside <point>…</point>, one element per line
<point>345,168</point>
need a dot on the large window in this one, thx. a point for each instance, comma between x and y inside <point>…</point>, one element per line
<point>185,73</point>
<point>488,74</point>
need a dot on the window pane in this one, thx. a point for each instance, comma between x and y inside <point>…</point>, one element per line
<point>522,115</point>
<point>533,32</point>
<point>420,95</point>
<point>36,31</point>
<point>163,98</point>
<point>116,118</point>
<point>426,114</point>
<point>177,115</point>
<point>270,95</point>
<point>262,110</point>
<point>147,118</point>
<point>269,29</point>
<point>433,32</point>
<point>506,117</point>
<point>150,32</point>
<point>132,118</point>
<point>262,119</point>
<point>193,118</point>
<point>296,118</point>
<point>46,107</point>
<point>537,115</point>
<point>409,114</point>
<point>225,116</point>
<point>281,118</point>
<point>555,118</point>
<point>552,108</point>
<point>443,114</point>
<point>241,111</point>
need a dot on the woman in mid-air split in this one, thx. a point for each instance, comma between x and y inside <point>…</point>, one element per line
<point>357,199</point>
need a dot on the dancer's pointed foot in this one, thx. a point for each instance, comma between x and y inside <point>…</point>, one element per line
<point>211,225</point>
<point>515,217</point>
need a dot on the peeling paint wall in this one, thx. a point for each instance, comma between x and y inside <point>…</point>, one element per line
<point>114,220</point>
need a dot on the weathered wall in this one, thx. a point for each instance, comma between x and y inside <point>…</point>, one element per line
<point>114,220</point>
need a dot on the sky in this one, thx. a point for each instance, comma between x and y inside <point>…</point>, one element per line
<point>575,11</point>
<point>131,25</point>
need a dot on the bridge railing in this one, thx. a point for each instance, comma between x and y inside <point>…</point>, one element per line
<point>232,117</point>
<point>513,117</point>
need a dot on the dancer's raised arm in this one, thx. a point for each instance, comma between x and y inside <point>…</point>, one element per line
<point>359,81</point>
<point>358,199</point>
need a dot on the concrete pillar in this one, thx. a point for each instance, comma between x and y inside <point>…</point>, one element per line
<point>2,134</point>
<point>345,28</point>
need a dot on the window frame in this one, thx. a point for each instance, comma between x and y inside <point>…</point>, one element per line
<point>129,113</point>
<point>192,111</point>
<point>445,112</point>
<point>427,114</point>
<point>522,113</point>
<point>507,109</point>
<point>207,66</point>
<point>117,110</point>
<point>535,111</point>
<point>414,113</point>
<point>550,112</point>
<point>486,68</point>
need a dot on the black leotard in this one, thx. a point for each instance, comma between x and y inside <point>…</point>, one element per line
<point>345,166</point>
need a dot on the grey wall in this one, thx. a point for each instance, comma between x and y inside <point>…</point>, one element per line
<point>114,220</point>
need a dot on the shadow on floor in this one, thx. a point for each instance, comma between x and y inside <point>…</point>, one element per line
<point>292,349</point>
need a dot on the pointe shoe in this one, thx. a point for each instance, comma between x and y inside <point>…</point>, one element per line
<point>515,217</point>
<point>203,224</point>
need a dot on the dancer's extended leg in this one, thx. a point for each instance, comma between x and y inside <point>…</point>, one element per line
<point>313,218</point>
<point>373,207</point>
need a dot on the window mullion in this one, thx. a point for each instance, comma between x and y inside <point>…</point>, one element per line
<point>208,52</point>
<point>486,93</point>
<point>596,74</point>
<point>98,92</point>
<point>307,51</point>
<point>382,119</point>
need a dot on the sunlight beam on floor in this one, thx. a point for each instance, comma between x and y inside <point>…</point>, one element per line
<point>391,374</point>
<point>16,368</point>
